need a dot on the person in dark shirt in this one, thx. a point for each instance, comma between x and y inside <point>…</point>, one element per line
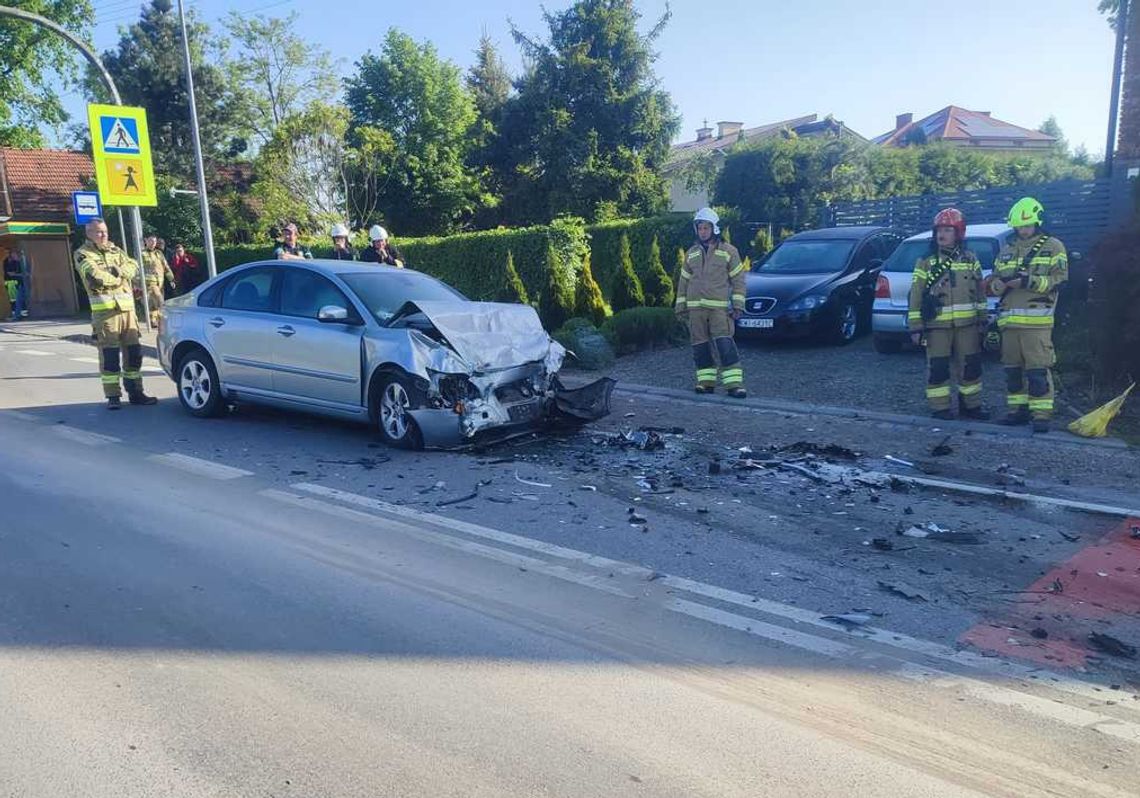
<point>382,250</point>
<point>291,248</point>
<point>16,282</point>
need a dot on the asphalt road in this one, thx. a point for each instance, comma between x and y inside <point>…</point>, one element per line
<point>192,608</point>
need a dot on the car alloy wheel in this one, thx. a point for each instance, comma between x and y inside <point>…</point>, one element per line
<point>195,384</point>
<point>394,407</point>
<point>848,322</point>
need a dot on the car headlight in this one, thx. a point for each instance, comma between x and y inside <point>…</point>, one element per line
<point>809,302</point>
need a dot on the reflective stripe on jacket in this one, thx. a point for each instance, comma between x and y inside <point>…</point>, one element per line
<point>712,277</point>
<point>1031,303</point>
<point>959,291</point>
<point>107,293</point>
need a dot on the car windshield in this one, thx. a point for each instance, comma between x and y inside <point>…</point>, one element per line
<point>383,293</point>
<point>908,253</point>
<point>807,257</point>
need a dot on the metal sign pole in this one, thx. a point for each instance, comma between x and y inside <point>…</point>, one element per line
<point>203,202</point>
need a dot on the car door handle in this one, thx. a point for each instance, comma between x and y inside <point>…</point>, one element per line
<point>217,321</point>
<point>285,330</point>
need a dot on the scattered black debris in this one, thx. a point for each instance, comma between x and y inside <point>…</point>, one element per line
<point>1057,587</point>
<point>664,430</point>
<point>1039,633</point>
<point>367,463</point>
<point>875,500</point>
<point>903,591</point>
<point>497,461</point>
<point>644,440</point>
<point>850,620</point>
<point>714,467</point>
<point>1135,531</point>
<point>472,495</point>
<point>635,518</point>
<point>1111,646</point>
<point>297,473</point>
<point>499,499</point>
<point>898,486</point>
<point>943,448</point>
<point>702,510</point>
<point>882,544</point>
<point>1068,537</point>
<point>908,511</point>
<point>829,450</point>
<point>935,532</point>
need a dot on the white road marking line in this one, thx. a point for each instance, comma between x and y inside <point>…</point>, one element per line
<point>442,539</point>
<point>94,360</point>
<point>36,352</point>
<point>827,646</point>
<point>781,634</point>
<point>627,569</point>
<point>196,465</point>
<point>1036,705</point>
<point>886,637</point>
<point>83,436</point>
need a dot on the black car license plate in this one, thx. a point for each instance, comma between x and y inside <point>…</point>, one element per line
<point>523,412</point>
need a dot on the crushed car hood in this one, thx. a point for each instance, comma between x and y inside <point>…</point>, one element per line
<point>490,335</point>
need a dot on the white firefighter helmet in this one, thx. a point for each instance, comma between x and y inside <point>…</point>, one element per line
<point>339,231</point>
<point>377,233</point>
<point>710,216</point>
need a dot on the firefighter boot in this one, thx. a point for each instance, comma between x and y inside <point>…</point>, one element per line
<point>114,403</point>
<point>1016,417</point>
<point>975,413</point>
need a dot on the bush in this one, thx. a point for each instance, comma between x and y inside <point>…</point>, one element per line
<point>761,245</point>
<point>513,289</point>
<point>588,300</point>
<point>658,285</point>
<point>627,291</point>
<point>1113,300</point>
<point>591,350</point>
<point>556,304</point>
<point>643,328</point>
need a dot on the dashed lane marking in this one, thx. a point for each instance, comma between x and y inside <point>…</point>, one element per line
<point>35,352</point>
<point>198,466</point>
<point>83,436</point>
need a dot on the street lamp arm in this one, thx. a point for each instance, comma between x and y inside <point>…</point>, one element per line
<point>88,53</point>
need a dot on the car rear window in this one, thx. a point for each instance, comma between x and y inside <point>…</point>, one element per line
<point>909,252</point>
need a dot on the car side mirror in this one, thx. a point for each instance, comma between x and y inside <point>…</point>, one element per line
<point>332,314</point>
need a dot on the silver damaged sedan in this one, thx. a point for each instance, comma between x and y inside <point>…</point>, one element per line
<point>394,348</point>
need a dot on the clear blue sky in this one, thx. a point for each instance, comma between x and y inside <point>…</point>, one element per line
<point>759,61</point>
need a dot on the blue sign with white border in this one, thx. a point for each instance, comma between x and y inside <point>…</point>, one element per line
<point>86,206</point>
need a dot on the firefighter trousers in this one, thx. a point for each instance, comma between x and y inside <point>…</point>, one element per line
<point>154,299</point>
<point>710,332</point>
<point>1028,357</point>
<point>120,353</point>
<point>953,355</point>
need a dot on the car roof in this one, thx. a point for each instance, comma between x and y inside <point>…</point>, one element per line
<point>333,267</point>
<point>972,230</point>
<point>852,233</point>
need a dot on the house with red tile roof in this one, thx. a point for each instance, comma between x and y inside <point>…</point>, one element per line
<point>35,222</point>
<point>682,197</point>
<point>965,128</point>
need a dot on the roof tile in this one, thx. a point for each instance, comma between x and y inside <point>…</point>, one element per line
<point>39,182</point>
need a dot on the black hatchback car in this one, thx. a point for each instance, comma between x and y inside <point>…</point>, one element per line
<point>819,282</point>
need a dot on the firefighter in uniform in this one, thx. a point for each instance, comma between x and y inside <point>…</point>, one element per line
<point>948,305</point>
<point>107,274</point>
<point>1026,277</point>
<point>710,297</point>
<point>157,273</point>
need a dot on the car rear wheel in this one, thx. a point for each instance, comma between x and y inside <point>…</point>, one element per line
<point>199,390</point>
<point>846,325</point>
<point>394,405</point>
<point>887,344</point>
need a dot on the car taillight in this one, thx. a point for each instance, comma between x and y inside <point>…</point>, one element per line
<point>882,287</point>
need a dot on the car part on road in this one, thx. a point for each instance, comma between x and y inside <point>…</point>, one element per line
<point>943,448</point>
<point>1110,645</point>
<point>903,591</point>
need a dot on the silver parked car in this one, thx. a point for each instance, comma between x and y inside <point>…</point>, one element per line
<point>892,293</point>
<point>392,347</point>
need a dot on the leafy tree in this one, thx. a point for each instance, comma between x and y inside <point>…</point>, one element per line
<point>627,291</point>
<point>588,300</point>
<point>658,286</point>
<point>1050,127</point>
<point>276,73</point>
<point>33,62</point>
<point>309,173</point>
<point>489,83</point>
<point>513,289</point>
<point>590,124</point>
<point>761,244</point>
<point>148,68</point>
<point>419,98</point>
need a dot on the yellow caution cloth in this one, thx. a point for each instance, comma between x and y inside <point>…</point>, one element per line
<point>1095,424</point>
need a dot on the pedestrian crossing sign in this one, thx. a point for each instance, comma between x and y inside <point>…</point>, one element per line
<point>121,148</point>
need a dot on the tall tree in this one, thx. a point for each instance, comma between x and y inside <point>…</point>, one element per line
<point>310,173</point>
<point>148,67</point>
<point>590,126</point>
<point>275,71</point>
<point>489,83</point>
<point>32,63</point>
<point>420,99</point>
<point>1051,127</point>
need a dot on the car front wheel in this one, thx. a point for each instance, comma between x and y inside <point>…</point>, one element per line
<point>846,324</point>
<point>394,405</point>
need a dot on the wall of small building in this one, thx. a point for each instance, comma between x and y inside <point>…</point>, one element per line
<point>52,287</point>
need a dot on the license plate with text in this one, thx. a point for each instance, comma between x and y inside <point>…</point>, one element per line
<point>760,323</point>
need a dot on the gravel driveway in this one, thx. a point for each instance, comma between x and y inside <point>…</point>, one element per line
<point>847,376</point>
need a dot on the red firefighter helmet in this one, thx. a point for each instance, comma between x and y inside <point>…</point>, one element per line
<point>951,217</point>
